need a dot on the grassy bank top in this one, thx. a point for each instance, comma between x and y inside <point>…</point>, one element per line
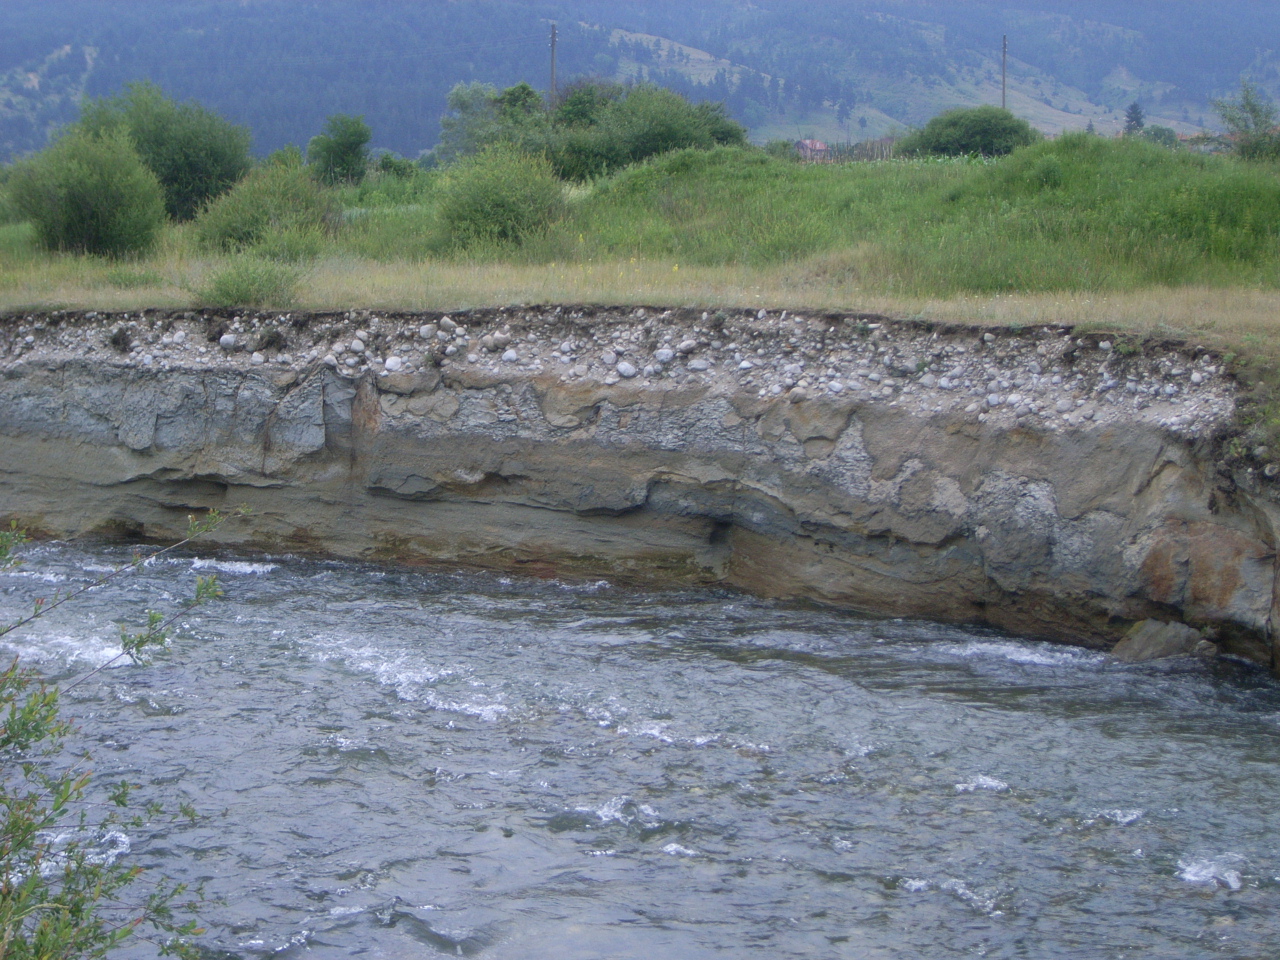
<point>1105,234</point>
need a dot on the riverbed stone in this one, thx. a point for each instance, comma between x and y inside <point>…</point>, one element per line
<point>1156,640</point>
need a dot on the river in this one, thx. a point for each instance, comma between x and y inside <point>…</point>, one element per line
<point>409,763</point>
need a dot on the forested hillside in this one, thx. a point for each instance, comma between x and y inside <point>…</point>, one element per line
<point>838,69</point>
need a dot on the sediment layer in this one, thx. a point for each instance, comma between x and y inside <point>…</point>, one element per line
<point>1059,485</point>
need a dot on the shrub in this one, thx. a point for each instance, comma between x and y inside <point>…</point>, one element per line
<point>341,153</point>
<point>782,150</point>
<point>986,131</point>
<point>248,281</point>
<point>1166,137</point>
<point>597,127</point>
<point>90,194</point>
<point>646,121</point>
<point>396,166</point>
<point>272,201</point>
<point>1250,120</point>
<point>499,196</point>
<point>195,153</point>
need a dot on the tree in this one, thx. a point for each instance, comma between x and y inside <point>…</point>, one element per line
<point>195,153</point>
<point>341,153</point>
<point>583,102</point>
<point>90,194</point>
<point>1134,119</point>
<point>1250,120</point>
<point>479,116</point>
<point>984,131</point>
<point>596,127</point>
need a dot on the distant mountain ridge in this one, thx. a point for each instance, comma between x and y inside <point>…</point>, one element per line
<point>832,69</point>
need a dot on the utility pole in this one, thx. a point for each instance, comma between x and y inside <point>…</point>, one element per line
<point>1004,73</point>
<point>553,64</point>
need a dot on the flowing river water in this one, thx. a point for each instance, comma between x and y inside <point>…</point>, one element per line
<point>399,763</point>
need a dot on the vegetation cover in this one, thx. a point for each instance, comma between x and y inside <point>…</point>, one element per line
<point>608,187</point>
<point>982,131</point>
<point>194,153</point>
<point>278,205</point>
<point>91,194</point>
<point>499,196</point>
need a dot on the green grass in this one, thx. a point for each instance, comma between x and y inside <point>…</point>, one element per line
<point>1081,214</point>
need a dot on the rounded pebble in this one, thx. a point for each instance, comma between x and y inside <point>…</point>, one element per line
<point>510,357</point>
<point>227,341</point>
<point>626,370</point>
<point>394,364</point>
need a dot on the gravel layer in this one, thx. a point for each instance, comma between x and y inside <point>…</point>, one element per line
<point>1048,376</point>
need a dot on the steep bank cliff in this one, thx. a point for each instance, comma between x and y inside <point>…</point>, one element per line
<point>1053,484</point>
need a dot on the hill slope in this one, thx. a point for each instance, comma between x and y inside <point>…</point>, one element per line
<point>831,68</point>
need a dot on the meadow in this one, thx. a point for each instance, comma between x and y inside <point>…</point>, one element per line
<point>1121,234</point>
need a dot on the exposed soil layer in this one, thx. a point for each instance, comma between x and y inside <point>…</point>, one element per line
<point>1060,484</point>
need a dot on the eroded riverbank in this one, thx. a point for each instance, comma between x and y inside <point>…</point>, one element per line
<point>1055,484</point>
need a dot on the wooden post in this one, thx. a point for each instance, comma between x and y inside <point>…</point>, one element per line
<point>1004,75</point>
<point>553,64</point>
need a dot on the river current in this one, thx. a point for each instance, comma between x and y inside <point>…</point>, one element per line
<point>399,763</point>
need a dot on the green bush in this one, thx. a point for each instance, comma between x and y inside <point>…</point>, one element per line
<point>396,166</point>
<point>271,203</point>
<point>195,153</point>
<point>627,128</point>
<point>1166,137</point>
<point>90,194</point>
<point>248,281</point>
<point>341,153</point>
<point>985,131</point>
<point>499,196</point>
<point>595,129</point>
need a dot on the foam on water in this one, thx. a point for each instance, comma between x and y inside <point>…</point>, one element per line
<point>678,850</point>
<point>240,567</point>
<point>103,846</point>
<point>1224,869</point>
<point>981,782</point>
<point>1121,817</point>
<point>68,649</point>
<point>979,902</point>
<point>402,671</point>
<point>1031,653</point>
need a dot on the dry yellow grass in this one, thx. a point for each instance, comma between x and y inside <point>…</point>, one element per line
<point>1243,320</point>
